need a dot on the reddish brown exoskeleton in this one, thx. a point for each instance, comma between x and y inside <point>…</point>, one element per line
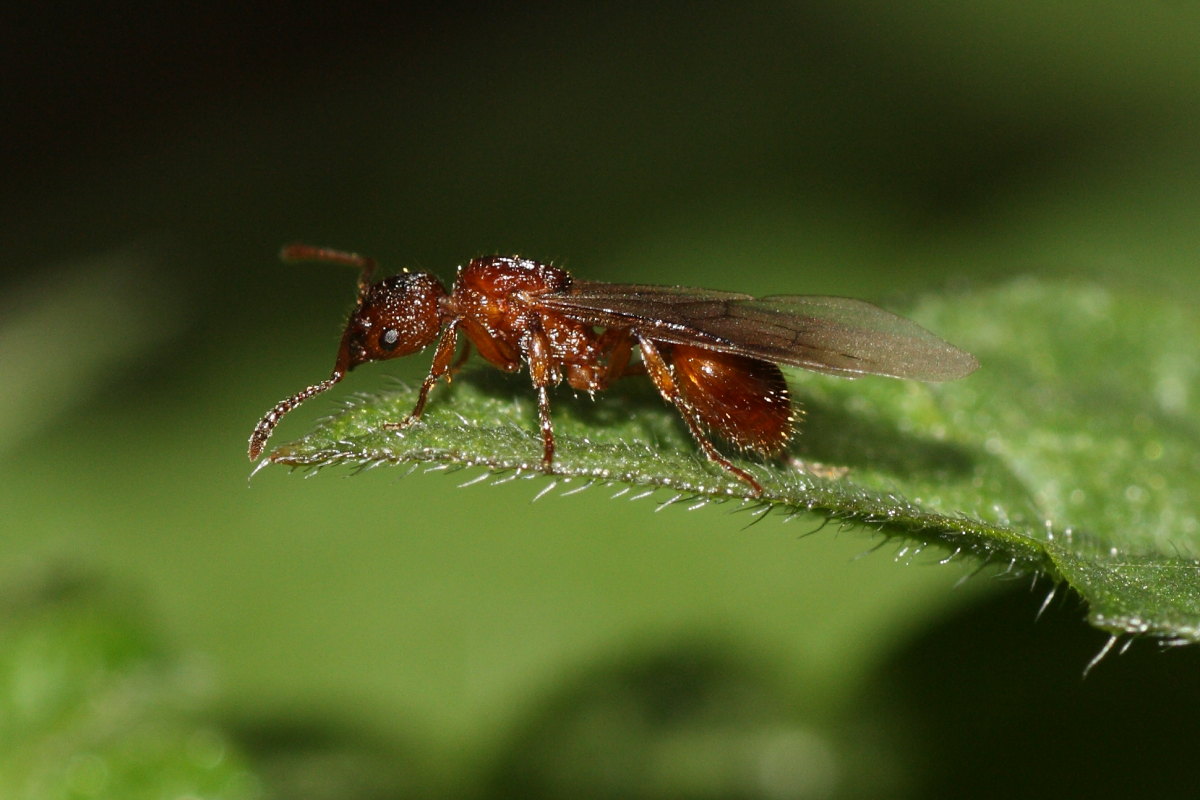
<point>714,355</point>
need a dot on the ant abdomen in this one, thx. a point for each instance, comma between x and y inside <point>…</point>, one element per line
<point>743,400</point>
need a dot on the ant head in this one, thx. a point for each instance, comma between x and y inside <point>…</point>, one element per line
<point>395,317</point>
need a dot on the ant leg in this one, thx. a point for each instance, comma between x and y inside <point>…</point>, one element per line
<point>307,252</point>
<point>618,347</point>
<point>441,366</point>
<point>664,381</point>
<point>547,427</point>
<point>494,351</point>
<point>615,347</point>
<point>544,374</point>
<point>462,359</point>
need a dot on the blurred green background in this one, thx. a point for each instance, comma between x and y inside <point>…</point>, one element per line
<point>377,637</point>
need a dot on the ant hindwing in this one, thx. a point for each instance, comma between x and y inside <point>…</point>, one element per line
<point>713,355</point>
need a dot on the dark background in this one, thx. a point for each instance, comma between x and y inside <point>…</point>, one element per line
<point>156,157</point>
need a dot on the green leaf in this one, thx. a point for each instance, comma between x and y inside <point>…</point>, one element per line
<point>91,707</point>
<point>1071,452</point>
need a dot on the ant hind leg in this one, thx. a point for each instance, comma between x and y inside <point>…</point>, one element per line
<point>664,381</point>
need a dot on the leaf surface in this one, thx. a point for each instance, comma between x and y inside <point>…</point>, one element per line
<point>1074,451</point>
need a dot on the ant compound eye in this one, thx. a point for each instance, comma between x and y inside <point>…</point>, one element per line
<point>389,338</point>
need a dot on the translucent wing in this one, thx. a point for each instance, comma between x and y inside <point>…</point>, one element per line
<point>836,335</point>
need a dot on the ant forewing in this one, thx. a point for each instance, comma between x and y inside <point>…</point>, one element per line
<point>834,335</point>
<point>714,355</point>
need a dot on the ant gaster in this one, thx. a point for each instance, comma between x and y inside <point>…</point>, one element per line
<point>714,355</point>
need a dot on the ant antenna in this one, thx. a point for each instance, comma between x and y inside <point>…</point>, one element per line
<point>262,431</point>
<point>307,252</point>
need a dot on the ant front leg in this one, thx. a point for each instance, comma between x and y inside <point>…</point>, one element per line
<point>442,364</point>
